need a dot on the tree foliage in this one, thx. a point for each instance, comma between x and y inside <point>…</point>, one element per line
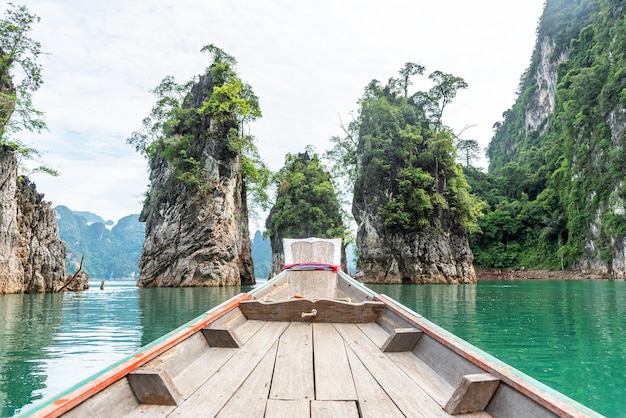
<point>467,151</point>
<point>405,155</point>
<point>176,123</point>
<point>20,76</point>
<point>306,203</point>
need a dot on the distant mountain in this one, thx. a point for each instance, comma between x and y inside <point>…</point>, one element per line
<point>92,218</point>
<point>114,253</point>
<point>108,253</point>
<point>261,255</point>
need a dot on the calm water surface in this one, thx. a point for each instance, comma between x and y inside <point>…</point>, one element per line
<point>570,335</point>
<point>50,342</point>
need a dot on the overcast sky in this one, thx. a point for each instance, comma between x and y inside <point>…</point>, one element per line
<point>307,61</point>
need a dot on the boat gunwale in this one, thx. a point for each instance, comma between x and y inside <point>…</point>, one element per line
<point>83,390</point>
<point>555,401</point>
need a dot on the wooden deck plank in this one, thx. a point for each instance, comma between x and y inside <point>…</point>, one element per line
<point>313,284</point>
<point>333,378</point>
<point>201,369</point>
<point>375,333</point>
<point>250,400</point>
<point>117,399</point>
<point>334,409</point>
<point>248,329</point>
<point>431,382</point>
<point>407,395</point>
<point>176,359</point>
<point>373,400</point>
<point>150,411</point>
<point>213,395</point>
<point>287,408</point>
<point>293,372</point>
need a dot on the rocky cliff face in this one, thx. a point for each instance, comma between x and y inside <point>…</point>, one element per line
<point>197,238</point>
<point>433,255</point>
<point>591,260</point>
<point>545,77</point>
<point>569,122</point>
<point>32,256</point>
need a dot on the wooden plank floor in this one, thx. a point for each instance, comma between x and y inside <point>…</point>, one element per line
<point>313,370</point>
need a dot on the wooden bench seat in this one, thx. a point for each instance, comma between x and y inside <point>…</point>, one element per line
<point>315,310</point>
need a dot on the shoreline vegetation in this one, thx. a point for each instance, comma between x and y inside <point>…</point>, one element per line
<point>539,274</point>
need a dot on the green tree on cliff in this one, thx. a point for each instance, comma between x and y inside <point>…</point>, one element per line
<point>405,149</point>
<point>306,203</point>
<point>18,61</point>
<point>174,123</point>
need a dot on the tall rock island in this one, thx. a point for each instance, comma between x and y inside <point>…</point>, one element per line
<point>195,213</point>
<point>32,255</point>
<point>306,206</point>
<point>411,201</point>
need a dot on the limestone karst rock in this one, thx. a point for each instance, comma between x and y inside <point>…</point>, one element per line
<point>433,255</point>
<point>197,238</point>
<point>32,256</point>
<point>412,203</point>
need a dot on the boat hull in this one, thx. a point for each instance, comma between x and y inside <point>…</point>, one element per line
<point>311,342</point>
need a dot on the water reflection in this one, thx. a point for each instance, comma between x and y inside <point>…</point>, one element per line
<point>27,326</point>
<point>99,327</point>
<point>164,309</point>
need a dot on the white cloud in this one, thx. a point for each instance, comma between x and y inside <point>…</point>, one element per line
<point>308,61</point>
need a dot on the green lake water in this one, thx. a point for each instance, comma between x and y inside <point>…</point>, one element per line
<point>570,335</point>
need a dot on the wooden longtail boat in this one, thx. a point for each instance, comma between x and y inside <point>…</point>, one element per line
<point>312,342</point>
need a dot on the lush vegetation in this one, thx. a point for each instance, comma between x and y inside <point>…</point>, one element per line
<point>400,156</point>
<point>18,62</point>
<point>180,121</point>
<point>106,252</point>
<point>554,190</point>
<point>306,203</point>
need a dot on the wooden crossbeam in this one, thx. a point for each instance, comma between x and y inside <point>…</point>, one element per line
<point>473,394</point>
<point>402,339</point>
<point>223,337</point>
<point>154,387</point>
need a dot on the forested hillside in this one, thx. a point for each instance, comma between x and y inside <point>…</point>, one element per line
<point>107,253</point>
<point>261,255</point>
<point>557,161</point>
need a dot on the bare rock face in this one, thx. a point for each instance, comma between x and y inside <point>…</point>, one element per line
<point>197,238</point>
<point>32,255</point>
<point>546,79</point>
<point>432,256</point>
